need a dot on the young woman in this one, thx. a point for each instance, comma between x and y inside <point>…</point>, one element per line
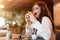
<point>40,19</point>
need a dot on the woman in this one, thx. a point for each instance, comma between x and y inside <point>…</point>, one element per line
<point>41,20</point>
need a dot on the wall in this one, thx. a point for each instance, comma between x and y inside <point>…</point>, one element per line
<point>56,10</point>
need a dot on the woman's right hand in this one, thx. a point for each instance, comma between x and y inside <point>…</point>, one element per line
<point>30,17</point>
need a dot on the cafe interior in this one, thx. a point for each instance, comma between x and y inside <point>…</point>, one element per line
<point>13,11</point>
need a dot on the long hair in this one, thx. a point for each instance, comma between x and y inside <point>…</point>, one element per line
<point>44,12</point>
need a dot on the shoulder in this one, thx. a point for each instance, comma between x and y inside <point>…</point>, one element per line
<point>46,22</point>
<point>46,19</point>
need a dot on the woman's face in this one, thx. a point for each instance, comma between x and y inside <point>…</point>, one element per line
<point>36,10</point>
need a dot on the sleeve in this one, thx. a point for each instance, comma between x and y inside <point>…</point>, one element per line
<point>48,26</point>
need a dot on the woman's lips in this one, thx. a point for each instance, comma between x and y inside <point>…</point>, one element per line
<point>35,13</point>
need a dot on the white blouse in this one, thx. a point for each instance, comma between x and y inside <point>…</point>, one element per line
<point>44,28</point>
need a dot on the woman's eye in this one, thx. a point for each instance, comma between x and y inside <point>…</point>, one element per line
<point>36,8</point>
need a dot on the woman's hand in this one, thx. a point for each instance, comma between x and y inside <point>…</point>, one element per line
<point>30,17</point>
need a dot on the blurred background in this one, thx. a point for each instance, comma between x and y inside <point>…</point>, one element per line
<point>56,8</point>
<point>56,12</point>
